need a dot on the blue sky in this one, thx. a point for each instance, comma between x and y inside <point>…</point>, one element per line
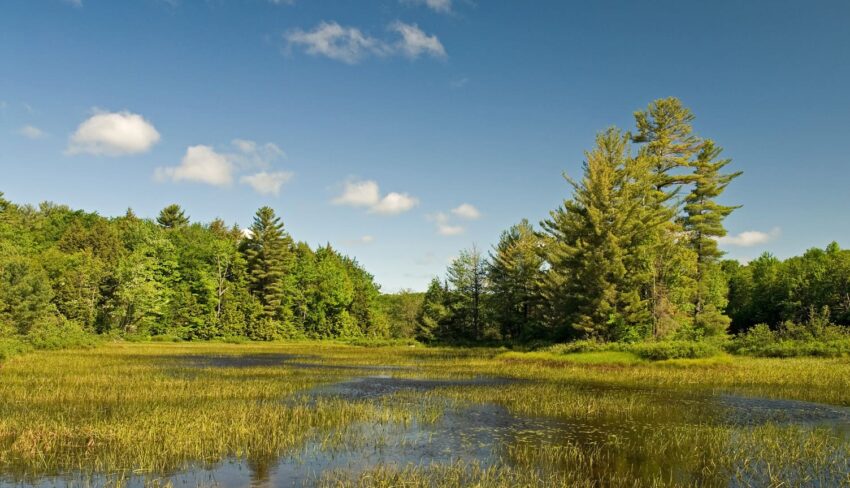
<point>366,123</point>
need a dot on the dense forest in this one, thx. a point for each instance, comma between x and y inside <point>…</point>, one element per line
<point>69,270</point>
<point>631,255</point>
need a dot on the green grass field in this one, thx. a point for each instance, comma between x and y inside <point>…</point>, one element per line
<point>145,413</point>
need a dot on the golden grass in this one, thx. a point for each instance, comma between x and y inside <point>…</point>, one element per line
<point>137,408</point>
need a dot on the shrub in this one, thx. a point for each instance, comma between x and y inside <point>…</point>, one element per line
<point>53,333</point>
<point>12,347</point>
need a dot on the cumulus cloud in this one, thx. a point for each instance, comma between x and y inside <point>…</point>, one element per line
<point>750,238</point>
<point>466,211</point>
<point>444,225</point>
<point>266,183</point>
<point>351,45</point>
<point>441,6</point>
<point>367,194</point>
<point>201,164</point>
<point>31,132</point>
<point>395,203</point>
<point>113,134</point>
<point>359,194</point>
<point>346,44</point>
<point>414,42</point>
<point>204,164</point>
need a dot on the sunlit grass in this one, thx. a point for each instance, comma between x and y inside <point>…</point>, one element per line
<point>124,409</point>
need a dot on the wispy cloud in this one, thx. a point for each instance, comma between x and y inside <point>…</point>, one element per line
<point>329,39</point>
<point>31,132</point>
<point>466,211</point>
<point>445,226</point>
<point>362,240</point>
<point>750,238</point>
<point>351,45</point>
<point>113,134</point>
<point>441,6</point>
<point>414,42</point>
<point>367,194</point>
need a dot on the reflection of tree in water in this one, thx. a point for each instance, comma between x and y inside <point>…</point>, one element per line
<point>262,469</point>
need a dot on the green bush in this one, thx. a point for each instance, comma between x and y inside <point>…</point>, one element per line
<point>12,347</point>
<point>59,334</point>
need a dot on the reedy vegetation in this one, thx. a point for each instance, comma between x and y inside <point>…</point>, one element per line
<point>146,409</point>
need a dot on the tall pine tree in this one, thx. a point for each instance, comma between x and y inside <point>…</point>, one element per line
<point>703,223</point>
<point>595,245</point>
<point>514,276</point>
<point>269,257</point>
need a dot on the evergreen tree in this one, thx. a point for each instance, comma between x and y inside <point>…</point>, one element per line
<point>172,217</point>
<point>514,277</point>
<point>596,245</point>
<point>668,145</point>
<point>269,257</point>
<point>466,276</point>
<point>703,223</point>
<point>434,313</point>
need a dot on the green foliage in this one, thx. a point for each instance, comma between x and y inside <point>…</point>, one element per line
<point>172,217</point>
<point>817,336</point>
<point>597,244</point>
<point>514,276</point>
<point>65,274</point>
<point>402,310</point>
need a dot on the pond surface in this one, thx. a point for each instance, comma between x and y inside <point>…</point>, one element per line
<point>483,433</point>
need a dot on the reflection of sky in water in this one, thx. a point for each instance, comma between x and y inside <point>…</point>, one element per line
<point>477,433</point>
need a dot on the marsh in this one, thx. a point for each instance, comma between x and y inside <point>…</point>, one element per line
<point>325,414</point>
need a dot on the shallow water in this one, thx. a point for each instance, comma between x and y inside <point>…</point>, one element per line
<point>479,433</point>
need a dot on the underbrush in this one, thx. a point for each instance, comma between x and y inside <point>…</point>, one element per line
<point>651,351</point>
<point>816,337</point>
<point>52,335</point>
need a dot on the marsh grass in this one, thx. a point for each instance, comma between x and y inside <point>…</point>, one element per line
<point>150,410</point>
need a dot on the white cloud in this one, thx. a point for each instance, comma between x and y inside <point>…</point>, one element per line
<point>201,164</point>
<point>750,238</point>
<point>359,194</point>
<point>346,44</point>
<point>204,164</point>
<point>368,194</point>
<point>113,134</point>
<point>467,211</point>
<point>444,225</point>
<point>31,132</point>
<point>395,203</point>
<point>414,42</point>
<point>266,183</point>
<point>350,45</point>
<point>441,6</point>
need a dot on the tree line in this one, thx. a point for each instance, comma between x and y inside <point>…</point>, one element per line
<point>631,255</point>
<point>68,270</point>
